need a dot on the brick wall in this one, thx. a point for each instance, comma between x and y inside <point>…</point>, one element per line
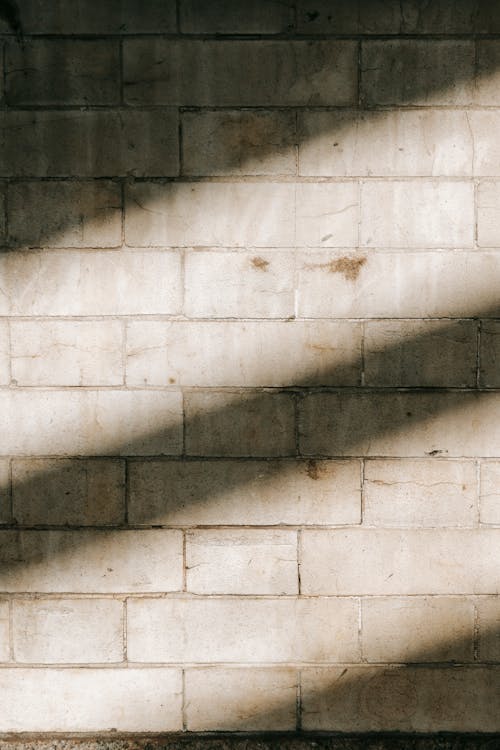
<point>249,382</point>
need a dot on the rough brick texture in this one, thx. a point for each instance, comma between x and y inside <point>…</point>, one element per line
<point>249,369</point>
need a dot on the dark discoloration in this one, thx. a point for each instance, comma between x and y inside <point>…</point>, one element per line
<point>9,11</point>
<point>315,470</point>
<point>260,263</point>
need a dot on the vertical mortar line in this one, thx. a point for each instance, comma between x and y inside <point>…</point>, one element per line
<point>180,139</point>
<point>478,353</point>
<point>296,120</point>
<point>299,561</point>
<point>124,327</point>
<point>358,70</point>
<point>475,641</point>
<point>360,630</point>
<point>122,194</point>
<point>479,467</point>
<point>11,629</point>
<point>182,263</point>
<point>298,702</point>
<point>362,353</point>
<point>296,397</point>
<point>183,706</point>
<point>476,212</point>
<point>125,630</point>
<point>184,561</point>
<point>127,492</point>
<point>11,493</point>
<point>362,487</point>
<point>120,71</point>
<point>178,16</point>
<point>183,408</point>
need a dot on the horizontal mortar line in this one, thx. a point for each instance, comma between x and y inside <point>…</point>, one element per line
<point>186,596</point>
<point>306,390</point>
<point>248,458</point>
<point>270,665</point>
<point>183,109</point>
<point>291,36</point>
<point>132,317</point>
<point>265,179</point>
<point>223,527</point>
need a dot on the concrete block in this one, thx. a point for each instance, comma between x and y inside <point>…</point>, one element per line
<point>94,143</point>
<point>235,492</point>
<point>489,354</point>
<point>67,631</point>
<point>236,630</point>
<point>408,699</point>
<point>417,629</point>
<point>327,214</point>
<point>85,17</point>
<point>228,17</point>
<point>91,561</point>
<point>248,700</point>
<point>239,285</point>
<point>91,422</point>
<point>488,214</point>
<point>389,143</point>
<point>488,624</point>
<point>417,214</point>
<point>264,353</point>
<point>248,73</point>
<point>397,284</point>
<point>65,214</point>
<point>67,352</point>
<point>486,82</point>
<point>239,142</point>
<point>91,283</point>
<point>417,71</point>
<point>402,424</point>
<point>4,630</point>
<point>399,562</point>
<point>69,492</point>
<point>203,214</point>
<point>427,492</point>
<point>489,501</point>
<point>328,17</point>
<point>62,71</point>
<point>5,491</point>
<point>421,353</point>
<point>239,424</point>
<point>242,562</point>
<point>64,700</point>
<point>483,125</point>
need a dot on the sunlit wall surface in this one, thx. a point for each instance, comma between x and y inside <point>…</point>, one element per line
<point>249,366</point>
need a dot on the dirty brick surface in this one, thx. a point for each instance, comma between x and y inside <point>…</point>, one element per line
<point>249,375</point>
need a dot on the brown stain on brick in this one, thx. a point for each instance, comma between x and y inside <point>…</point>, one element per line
<point>316,470</point>
<point>348,266</point>
<point>260,263</point>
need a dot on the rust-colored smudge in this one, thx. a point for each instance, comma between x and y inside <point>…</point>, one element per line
<point>348,266</point>
<point>260,263</point>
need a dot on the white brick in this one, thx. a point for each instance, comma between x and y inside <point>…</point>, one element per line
<point>397,143</point>
<point>419,493</point>
<point>239,285</point>
<point>227,17</point>
<point>91,561</point>
<point>489,355</point>
<point>400,424</point>
<point>248,73</point>
<point>206,214</point>
<point>379,561</point>
<point>4,631</point>
<point>243,630</point>
<point>244,492</point>
<point>65,214</point>
<point>5,513</point>
<point>417,214</point>
<point>4,353</point>
<point>417,71</point>
<point>488,620</point>
<point>396,284</point>
<point>239,424</point>
<point>327,214</point>
<point>488,214</point>
<point>243,354</point>
<point>91,283</point>
<point>417,629</point>
<point>409,699</point>
<point>239,142</point>
<point>91,700</point>
<point>74,492</point>
<point>484,124</point>
<point>91,422</point>
<point>242,562</point>
<point>67,631</point>
<point>421,353</point>
<point>95,143</point>
<point>241,699</point>
<point>490,493</point>
<point>67,353</point>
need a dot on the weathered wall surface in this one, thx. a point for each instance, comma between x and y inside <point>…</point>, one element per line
<point>249,367</point>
